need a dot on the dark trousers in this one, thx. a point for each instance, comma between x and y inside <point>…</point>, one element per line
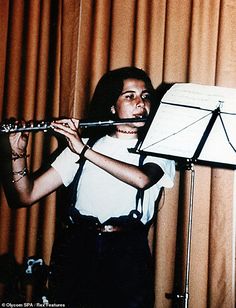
<point>102,270</point>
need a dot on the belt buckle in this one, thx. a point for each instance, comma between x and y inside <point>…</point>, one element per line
<point>108,228</point>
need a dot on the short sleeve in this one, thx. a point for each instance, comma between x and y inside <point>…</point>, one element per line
<point>168,167</point>
<point>65,164</point>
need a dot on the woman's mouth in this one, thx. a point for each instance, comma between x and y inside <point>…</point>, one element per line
<point>140,115</point>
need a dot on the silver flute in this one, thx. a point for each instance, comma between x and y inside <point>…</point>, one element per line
<point>34,126</point>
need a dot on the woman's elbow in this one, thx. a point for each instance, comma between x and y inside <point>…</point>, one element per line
<point>16,203</point>
<point>143,183</point>
<point>148,179</point>
<point>23,200</point>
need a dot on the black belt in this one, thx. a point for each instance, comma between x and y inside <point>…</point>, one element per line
<point>110,228</point>
<point>89,223</point>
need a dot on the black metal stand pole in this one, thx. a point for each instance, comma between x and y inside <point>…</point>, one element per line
<point>189,236</point>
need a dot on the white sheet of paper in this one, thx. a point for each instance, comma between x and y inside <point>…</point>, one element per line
<point>177,128</point>
<point>217,147</point>
<point>202,96</point>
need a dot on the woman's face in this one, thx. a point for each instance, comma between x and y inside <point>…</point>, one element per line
<point>134,100</point>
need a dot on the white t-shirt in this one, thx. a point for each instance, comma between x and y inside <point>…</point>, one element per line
<point>102,195</point>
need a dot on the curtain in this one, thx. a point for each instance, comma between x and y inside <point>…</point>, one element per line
<point>52,55</point>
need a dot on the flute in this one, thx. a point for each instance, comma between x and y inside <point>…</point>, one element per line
<point>46,125</point>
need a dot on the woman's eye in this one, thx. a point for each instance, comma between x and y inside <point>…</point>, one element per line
<point>146,96</point>
<point>130,96</point>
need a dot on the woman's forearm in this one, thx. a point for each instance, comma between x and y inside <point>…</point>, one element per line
<point>20,179</point>
<point>138,177</point>
<point>29,190</point>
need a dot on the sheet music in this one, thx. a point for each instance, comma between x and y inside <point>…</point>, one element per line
<point>182,118</point>
<point>172,133</point>
<point>217,148</point>
<point>202,96</point>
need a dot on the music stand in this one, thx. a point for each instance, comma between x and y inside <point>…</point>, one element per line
<point>194,124</point>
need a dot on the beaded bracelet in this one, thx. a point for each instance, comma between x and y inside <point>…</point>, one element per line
<point>16,156</point>
<point>81,155</point>
<point>85,148</point>
<point>22,173</point>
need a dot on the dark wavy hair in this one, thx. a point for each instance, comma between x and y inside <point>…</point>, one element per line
<point>108,91</point>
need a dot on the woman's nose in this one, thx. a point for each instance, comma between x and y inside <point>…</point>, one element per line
<point>140,102</point>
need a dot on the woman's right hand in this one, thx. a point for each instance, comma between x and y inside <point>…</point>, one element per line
<point>69,128</point>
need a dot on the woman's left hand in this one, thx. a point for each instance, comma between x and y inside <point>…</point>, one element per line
<point>69,128</point>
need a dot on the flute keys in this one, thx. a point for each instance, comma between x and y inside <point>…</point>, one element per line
<point>11,127</point>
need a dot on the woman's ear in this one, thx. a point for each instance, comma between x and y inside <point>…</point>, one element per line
<point>113,110</point>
